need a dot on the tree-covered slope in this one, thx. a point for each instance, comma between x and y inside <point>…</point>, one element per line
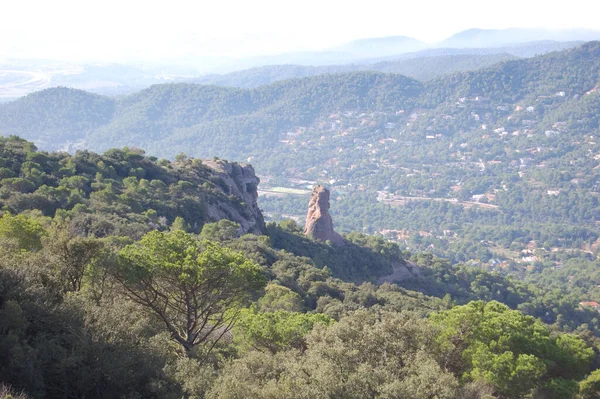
<point>203,113</point>
<point>123,192</point>
<point>229,122</point>
<point>102,295</point>
<point>477,151</point>
<point>185,110</point>
<point>573,71</point>
<point>55,117</point>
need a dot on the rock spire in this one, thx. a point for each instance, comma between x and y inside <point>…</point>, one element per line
<point>319,225</point>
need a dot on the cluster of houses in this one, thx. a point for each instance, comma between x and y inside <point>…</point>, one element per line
<point>366,144</point>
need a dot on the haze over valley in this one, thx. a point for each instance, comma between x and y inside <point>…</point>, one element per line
<point>468,50</point>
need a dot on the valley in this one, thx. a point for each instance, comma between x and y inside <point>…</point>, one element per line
<point>508,154</point>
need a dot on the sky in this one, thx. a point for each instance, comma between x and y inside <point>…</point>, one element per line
<point>122,30</point>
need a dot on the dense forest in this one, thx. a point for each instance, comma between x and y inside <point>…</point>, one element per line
<point>116,283</point>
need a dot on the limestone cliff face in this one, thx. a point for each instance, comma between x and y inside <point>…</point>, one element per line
<point>319,225</point>
<point>239,180</point>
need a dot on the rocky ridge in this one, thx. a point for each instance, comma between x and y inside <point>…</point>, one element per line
<point>239,180</point>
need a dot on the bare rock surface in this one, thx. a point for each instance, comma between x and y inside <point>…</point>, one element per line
<point>319,224</point>
<point>401,271</point>
<point>239,180</point>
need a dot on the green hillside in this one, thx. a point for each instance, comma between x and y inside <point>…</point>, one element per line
<point>117,280</point>
<point>56,117</point>
<point>458,165</point>
<point>122,192</point>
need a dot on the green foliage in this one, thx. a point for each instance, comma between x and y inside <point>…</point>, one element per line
<point>222,230</point>
<point>275,331</point>
<point>278,297</point>
<point>561,389</point>
<point>179,224</point>
<point>590,387</point>
<point>194,287</point>
<point>513,352</point>
<point>102,196</point>
<point>76,347</point>
<point>74,319</point>
<point>361,258</point>
<point>23,231</point>
<point>70,257</point>
<point>361,356</point>
<point>62,113</point>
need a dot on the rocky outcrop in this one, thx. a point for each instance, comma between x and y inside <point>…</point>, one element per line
<point>238,180</point>
<point>319,225</point>
<point>401,271</point>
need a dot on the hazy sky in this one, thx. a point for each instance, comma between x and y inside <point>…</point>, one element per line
<point>115,30</point>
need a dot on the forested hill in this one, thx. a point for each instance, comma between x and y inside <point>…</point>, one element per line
<point>204,120</point>
<point>478,151</point>
<point>119,278</point>
<point>125,193</point>
<point>189,114</point>
<point>57,116</point>
<point>574,71</point>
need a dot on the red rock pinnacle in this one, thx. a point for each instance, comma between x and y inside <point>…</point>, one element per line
<point>319,225</point>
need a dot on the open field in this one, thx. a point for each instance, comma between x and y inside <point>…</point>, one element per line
<point>281,191</point>
<point>400,201</point>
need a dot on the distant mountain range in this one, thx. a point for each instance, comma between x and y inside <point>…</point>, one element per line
<point>422,65</point>
<point>473,38</point>
<point>477,48</point>
<point>211,120</point>
<point>421,68</point>
<point>524,42</point>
